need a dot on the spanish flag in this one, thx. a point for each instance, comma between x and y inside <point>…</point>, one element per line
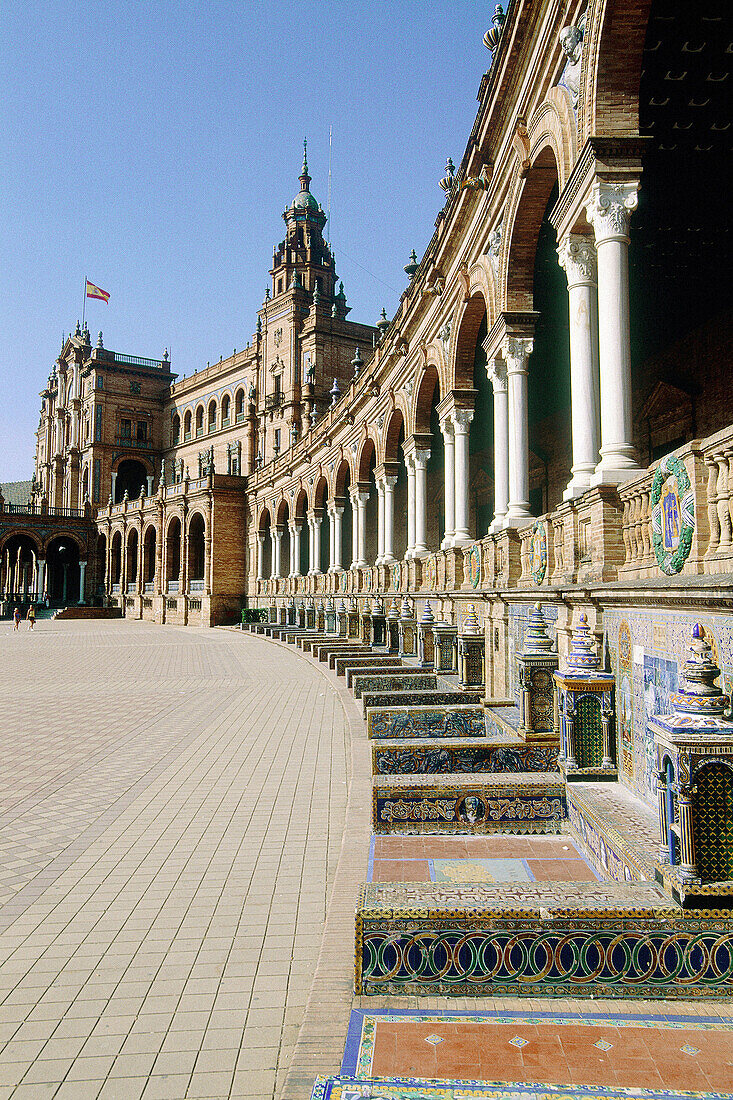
<point>95,292</point>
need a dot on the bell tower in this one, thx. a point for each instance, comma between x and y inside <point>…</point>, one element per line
<point>304,258</point>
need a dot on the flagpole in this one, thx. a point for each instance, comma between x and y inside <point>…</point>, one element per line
<point>84,307</point>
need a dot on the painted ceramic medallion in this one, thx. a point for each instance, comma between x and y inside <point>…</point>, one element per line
<point>538,552</point>
<point>673,515</point>
<point>474,566</point>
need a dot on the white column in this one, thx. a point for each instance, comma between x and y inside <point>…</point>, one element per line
<point>41,578</point>
<point>410,467</point>
<point>260,557</point>
<point>317,521</point>
<point>609,212</point>
<point>150,481</point>
<point>331,537</point>
<point>461,425</point>
<point>380,521</point>
<point>517,350</point>
<point>114,482</point>
<point>82,580</point>
<point>295,533</point>
<point>577,256</point>
<point>420,459</point>
<point>277,538</point>
<point>446,427</point>
<point>359,502</point>
<point>336,513</point>
<point>496,370</point>
<point>389,484</point>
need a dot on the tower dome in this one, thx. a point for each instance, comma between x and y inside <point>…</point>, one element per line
<point>305,205</point>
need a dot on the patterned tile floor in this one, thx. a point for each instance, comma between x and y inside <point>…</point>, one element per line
<point>484,859</point>
<point>593,1049</point>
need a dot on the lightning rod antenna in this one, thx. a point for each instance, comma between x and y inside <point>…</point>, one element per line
<point>330,143</point>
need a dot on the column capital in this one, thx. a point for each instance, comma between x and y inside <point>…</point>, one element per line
<point>610,208</point>
<point>517,350</point>
<point>461,420</point>
<point>496,371</point>
<point>390,481</point>
<point>359,496</point>
<point>446,425</point>
<point>577,256</point>
<point>295,528</point>
<point>421,457</point>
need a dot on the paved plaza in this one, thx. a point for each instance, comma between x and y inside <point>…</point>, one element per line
<point>172,810</point>
<point>184,824</point>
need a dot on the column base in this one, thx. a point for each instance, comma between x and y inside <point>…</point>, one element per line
<point>576,487</point>
<point>336,569</point>
<point>615,468</point>
<point>360,565</point>
<point>519,516</point>
<point>447,542</point>
<point>420,552</point>
<point>497,524</point>
<point>462,538</point>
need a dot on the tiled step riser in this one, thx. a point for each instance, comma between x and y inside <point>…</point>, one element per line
<point>475,754</point>
<point>323,650</point>
<point>476,804</point>
<point>418,698</point>
<point>409,722</point>
<point>343,664</point>
<point>397,670</point>
<point>412,678</point>
<point>572,957</point>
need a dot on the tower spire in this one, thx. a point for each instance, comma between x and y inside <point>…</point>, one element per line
<point>305,180</point>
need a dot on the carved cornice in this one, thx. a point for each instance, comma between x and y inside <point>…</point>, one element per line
<point>614,159</point>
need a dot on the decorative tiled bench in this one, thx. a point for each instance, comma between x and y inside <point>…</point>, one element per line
<point>374,661</point>
<point>483,802</point>
<point>559,938</point>
<point>386,680</point>
<point>429,721</point>
<point>459,754</point>
<point>323,650</point>
<point>419,698</point>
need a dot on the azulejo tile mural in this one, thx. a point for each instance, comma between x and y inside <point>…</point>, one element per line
<point>424,758</point>
<point>646,650</point>
<point>426,722</point>
<point>416,1088</point>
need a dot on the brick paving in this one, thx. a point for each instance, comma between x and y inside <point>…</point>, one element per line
<point>172,808</point>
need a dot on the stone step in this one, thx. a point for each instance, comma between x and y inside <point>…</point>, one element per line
<point>479,803</point>
<point>426,721</point>
<point>438,755</point>
<point>373,661</point>
<point>323,650</point>
<point>565,939</point>
<point>385,679</point>
<point>413,697</point>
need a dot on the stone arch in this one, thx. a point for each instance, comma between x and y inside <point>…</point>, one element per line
<point>21,534</point>
<point>394,423</point>
<point>342,477</point>
<point>132,544</point>
<point>264,520</point>
<point>196,547</point>
<point>525,210</point>
<point>554,125</point>
<point>467,324</point>
<point>428,391</point>
<point>320,494</point>
<point>150,542</point>
<point>282,514</point>
<point>115,557</point>
<point>612,59</point>
<point>300,507</point>
<point>367,457</point>
<point>482,280</point>
<point>65,534</point>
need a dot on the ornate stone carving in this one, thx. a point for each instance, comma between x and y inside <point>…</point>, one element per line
<point>462,418</point>
<point>577,256</point>
<point>494,249</point>
<point>517,350</point>
<point>496,370</point>
<point>610,209</point>
<point>571,40</point>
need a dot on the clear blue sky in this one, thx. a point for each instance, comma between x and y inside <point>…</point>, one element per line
<point>153,148</point>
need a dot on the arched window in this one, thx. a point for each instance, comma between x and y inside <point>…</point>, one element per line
<point>225,403</point>
<point>187,425</point>
<point>176,431</point>
<point>239,406</point>
<point>199,421</point>
<point>212,416</point>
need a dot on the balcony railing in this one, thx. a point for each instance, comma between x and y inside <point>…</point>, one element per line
<point>172,586</point>
<point>196,586</point>
<point>273,401</point>
<point>149,587</point>
<point>36,510</point>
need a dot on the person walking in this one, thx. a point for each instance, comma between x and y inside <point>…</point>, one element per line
<point>31,616</point>
<point>16,618</point>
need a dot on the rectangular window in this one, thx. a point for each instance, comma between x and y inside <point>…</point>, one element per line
<point>100,381</point>
<point>96,481</point>
<point>126,430</point>
<point>142,431</point>
<point>277,441</point>
<point>98,424</point>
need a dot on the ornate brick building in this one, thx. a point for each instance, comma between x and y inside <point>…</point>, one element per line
<point>545,418</point>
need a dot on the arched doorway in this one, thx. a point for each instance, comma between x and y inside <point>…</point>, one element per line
<point>301,521</point>
<point>427,427</point>
<point>100,566</point>
<point>116,561</point>
<point>19,561</point>
<point>131,561</point>
<point>149,559</point>
<point>367,484</point>
<point>322,555</point>
<point>62,567</point>
<point>130,479</point>
<point>173,555</point>
<point>264,536</point>
<point>196,553</point>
